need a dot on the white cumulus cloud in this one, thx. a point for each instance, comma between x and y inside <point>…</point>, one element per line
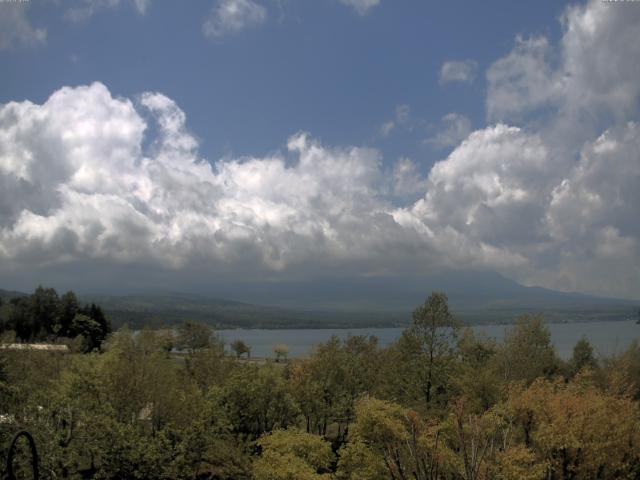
<point>593,74</point>
<point>87,189</point>
<point>80,187</point>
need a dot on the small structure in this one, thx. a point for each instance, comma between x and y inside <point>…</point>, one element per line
<point>34,346</point>
<point>282,351</point>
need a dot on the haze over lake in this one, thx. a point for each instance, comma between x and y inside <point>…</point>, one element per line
<point>605,337</point>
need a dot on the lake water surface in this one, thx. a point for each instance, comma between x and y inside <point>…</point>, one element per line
<point>606,337</point>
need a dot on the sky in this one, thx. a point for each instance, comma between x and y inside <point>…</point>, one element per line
<point>151,143</point>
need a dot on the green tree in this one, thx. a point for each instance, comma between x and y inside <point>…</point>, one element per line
<point>240,348</point>
<point>44,310</point>
<point>90,331</point>
<point>358,461</point>
<point>193,336</point>
<point>204,449</point>
<point>621,372</point>
<point>527,352</point>
<point>67,311</point>
<point>140,381</point>
<point>94,311</point>
<point>210,367</point>
<point>582,357</point>
<point>45,316</point>
<point>476,377</point>
<point>5,309</point>
<point>20,319</point>
<point>257,399</point>
<point>167,339</point>
<point>429,348</point>
<point>327,384</point>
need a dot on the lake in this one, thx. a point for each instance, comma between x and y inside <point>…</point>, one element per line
<point>605,337</point>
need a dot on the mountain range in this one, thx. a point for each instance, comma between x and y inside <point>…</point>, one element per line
<point>474,297</point>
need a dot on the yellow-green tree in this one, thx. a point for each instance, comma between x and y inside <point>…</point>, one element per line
<point>293,455</point>
<point>386,434</point>
<point>485,448</point>
<point>579,431</point>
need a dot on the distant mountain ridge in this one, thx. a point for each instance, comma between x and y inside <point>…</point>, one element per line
<point>466,291</point>
<point>156,309</point>
<point>474,297</point>
<point>9,294</point>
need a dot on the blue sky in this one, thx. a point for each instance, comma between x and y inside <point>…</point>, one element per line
<point>286,140</point>
<point>316,66</point>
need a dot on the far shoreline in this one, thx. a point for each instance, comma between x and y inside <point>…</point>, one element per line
<point>408,324</point>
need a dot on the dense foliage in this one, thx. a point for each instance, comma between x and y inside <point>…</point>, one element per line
<point>440,403</point>
<point>45,316</point>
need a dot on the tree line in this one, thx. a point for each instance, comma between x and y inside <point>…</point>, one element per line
<point>46,316</point>
<point>439,403</point>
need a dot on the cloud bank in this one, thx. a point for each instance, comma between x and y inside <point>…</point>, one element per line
<point>87,178</point>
